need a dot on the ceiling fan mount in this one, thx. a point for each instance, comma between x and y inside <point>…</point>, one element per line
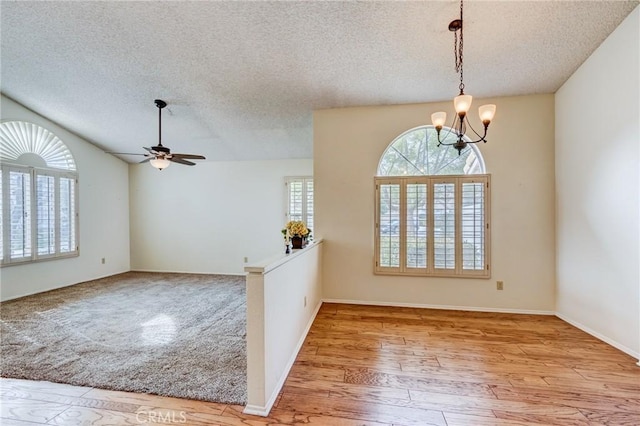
<point>159,155</point>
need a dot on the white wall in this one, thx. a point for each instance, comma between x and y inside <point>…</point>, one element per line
<point>348,144</point>
<point>104,218</point>
<point>208,217</point>
<point>278,320</point>
<point>597,171</point>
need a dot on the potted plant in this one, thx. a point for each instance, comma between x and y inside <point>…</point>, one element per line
<point>297,232</point>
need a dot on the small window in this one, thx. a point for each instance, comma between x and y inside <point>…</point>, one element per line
<point>300,199</point>
<point>432,209</point>
<point>38,207</point>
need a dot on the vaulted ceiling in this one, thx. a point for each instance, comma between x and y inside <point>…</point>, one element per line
<point>242,78</point>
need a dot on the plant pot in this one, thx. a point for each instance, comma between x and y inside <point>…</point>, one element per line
<point>297,242</point>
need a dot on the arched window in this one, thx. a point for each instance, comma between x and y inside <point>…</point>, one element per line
<point>39,204</point>
<point>416,153</point>
<point>432,208</point>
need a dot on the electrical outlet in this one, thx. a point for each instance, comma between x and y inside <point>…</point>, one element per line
<point>103,260</point>
<point>500,285</point>
<point>246,259</point>
<point>305,301</point>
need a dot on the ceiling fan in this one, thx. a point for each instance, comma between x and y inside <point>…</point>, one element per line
<point>160,156</point>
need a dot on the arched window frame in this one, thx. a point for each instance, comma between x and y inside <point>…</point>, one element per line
<point>39,204</point>
<point>432,225</point>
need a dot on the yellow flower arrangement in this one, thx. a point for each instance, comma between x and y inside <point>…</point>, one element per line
<point>296,228</point>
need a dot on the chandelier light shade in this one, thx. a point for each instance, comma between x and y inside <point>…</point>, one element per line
<point>160,163</point>
<point>462,102</point>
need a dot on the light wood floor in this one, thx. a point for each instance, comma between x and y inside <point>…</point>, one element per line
<point>364,365</point>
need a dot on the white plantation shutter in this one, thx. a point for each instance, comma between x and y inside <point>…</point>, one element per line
<point>46,214</point>
<point>300,199</point>
<point>67,215</point>
<point>432,226</point>
<point>473,226</point>
<point>388,225</point>
<point>20,215</point>
<point>39,204</point>
<point>295,200</point>
<point>2,202</point>
<point>417,223</point>
<point>308,200</point>
<point>444,225</point>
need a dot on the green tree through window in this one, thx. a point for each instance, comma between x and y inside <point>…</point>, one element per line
<point>416,153</point>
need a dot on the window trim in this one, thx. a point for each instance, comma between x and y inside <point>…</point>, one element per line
<point>5,169</point>
<point>287,208</point>
<point>431,271</point>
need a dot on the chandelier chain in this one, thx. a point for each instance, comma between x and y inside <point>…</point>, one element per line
<point>458,46</point>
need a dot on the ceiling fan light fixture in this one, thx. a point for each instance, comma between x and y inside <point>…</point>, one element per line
<point>160,163</point>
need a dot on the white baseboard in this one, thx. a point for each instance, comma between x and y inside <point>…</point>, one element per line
<point>256,410</point>
<point>600,336</point>
<point>238,274</point>
<point>446,307</point>
<point>264,411</point>
<point>99,277</point>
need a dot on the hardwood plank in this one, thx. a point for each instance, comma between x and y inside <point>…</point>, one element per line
<point>8,384</point>
<point>359,410</point>
<point>319,373</point>
<point>577,419</point>
<point>569,398</point>
<point>622,390</point>
<point>170,416</point>
<point>147,400</point>
<point>285,417</point>
<point>84,416</point>
<point>577,353</point>
<point>315,335</point>
<point>345,390</point>
<point>30,411</point>
<point>622,377</point>
<point>365,353</point>
<point>344,342</point>
<point>13,422</point>
<point>406,381</point>
<point>611,417</point>
<point>461,403</point>
<point>70,400</point>
<point>458,419</point>
<point>507,368</point>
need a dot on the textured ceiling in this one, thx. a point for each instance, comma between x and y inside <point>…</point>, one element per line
<point>242,78</point>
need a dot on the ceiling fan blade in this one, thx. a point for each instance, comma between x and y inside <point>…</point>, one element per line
<point>181,161</point>
<point>124,153</point>
<point>149,149</point>
<point>190,156</point>
<point>146,159</point>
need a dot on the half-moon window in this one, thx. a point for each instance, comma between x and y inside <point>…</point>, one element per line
<point>416,153</point>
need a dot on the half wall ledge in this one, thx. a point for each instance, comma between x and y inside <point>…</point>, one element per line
<point>283,297</point>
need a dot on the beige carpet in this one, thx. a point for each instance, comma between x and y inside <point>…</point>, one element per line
<point>181,335</point>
